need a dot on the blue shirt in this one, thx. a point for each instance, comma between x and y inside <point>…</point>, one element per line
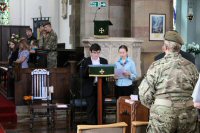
<point>129,66</point>
<point>24,53</point>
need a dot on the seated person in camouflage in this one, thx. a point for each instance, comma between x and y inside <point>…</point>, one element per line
<point>167,88</point>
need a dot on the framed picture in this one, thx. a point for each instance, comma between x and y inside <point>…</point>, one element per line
<point>156,27</point>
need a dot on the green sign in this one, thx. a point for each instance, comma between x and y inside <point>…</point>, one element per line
<point>102,4</point>
<point>97,3</point>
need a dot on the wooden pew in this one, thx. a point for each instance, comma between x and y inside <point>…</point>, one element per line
<point>59,78</point>
<point>6,81</point>
<point>129,112</point>
<point>139,126</point>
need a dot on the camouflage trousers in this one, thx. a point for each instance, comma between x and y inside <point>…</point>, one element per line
<point>52,60</point>
<point>173,120</point>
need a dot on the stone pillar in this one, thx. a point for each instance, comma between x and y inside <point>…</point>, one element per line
<point>109,49</point>
<point>120,14</point>
<point>75,23</point>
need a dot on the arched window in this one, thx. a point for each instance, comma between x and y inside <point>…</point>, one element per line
<point>174,14</point>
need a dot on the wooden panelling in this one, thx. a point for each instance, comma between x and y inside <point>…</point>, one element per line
<point>59,79</point>
<point>4,41</point>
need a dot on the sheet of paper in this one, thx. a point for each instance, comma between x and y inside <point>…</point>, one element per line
<point>134,97</point>
<point>4,68</point>
<point>119,73</point>
<point>61,105</point>
<point>129,101</point>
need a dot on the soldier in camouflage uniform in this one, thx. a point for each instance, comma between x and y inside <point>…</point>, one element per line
<point>50,43</point>
<point>167,88</point>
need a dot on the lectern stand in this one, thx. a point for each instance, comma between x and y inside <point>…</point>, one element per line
<point>100,71</point>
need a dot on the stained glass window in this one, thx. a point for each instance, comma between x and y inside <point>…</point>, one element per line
<point>174,14</point>
<point>4,12</point>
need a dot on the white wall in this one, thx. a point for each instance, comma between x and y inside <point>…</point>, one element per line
<point>64,29</point>
<point>22,12</point>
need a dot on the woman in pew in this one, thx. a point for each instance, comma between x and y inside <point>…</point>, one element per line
<point>14,49</point>
<point>23,56</point>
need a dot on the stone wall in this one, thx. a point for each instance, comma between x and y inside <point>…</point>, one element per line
<point>109,49</point>
<point>140,10</point>
<point>120,14</point>
<point>130,18</point>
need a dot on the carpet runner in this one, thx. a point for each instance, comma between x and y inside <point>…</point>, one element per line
<point>7,111</point>
<point>2,129</point>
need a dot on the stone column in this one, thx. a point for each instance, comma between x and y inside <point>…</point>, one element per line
<point>75,23</point>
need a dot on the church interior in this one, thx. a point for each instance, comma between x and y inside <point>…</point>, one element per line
<point>59,35</point>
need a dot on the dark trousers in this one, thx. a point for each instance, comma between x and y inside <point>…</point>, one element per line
<point>123,91</point>
<point>92,107</point>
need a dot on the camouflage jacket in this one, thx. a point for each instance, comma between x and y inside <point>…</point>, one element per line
<point>171,77</point>
<point>50,41</point>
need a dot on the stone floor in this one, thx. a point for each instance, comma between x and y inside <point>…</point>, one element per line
<point>41,127</point>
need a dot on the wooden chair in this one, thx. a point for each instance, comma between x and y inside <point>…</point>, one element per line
<point>139,126</point>
<point>40,105</point>
<point>108,128</point>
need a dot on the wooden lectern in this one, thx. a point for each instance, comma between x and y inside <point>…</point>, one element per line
<point>100,71</point>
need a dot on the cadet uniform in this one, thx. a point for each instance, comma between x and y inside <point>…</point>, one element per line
<point>166,90</point>
<point>50,43</point>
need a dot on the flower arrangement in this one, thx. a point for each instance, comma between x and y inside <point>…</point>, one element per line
<point>193,48</point>
<point>14,38</point>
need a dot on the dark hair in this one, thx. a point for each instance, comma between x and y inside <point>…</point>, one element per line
<point>28,29</point>
<point>95,47</point>
<point>46,23</point>
<point>123,47</point>
<point>16,47</point>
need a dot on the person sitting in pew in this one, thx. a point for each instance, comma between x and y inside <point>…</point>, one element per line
<point>14,49</point>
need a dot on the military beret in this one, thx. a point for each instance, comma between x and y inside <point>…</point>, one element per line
<point>174,37</point>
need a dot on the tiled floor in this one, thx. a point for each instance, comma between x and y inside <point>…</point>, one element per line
<point>40,124</point>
